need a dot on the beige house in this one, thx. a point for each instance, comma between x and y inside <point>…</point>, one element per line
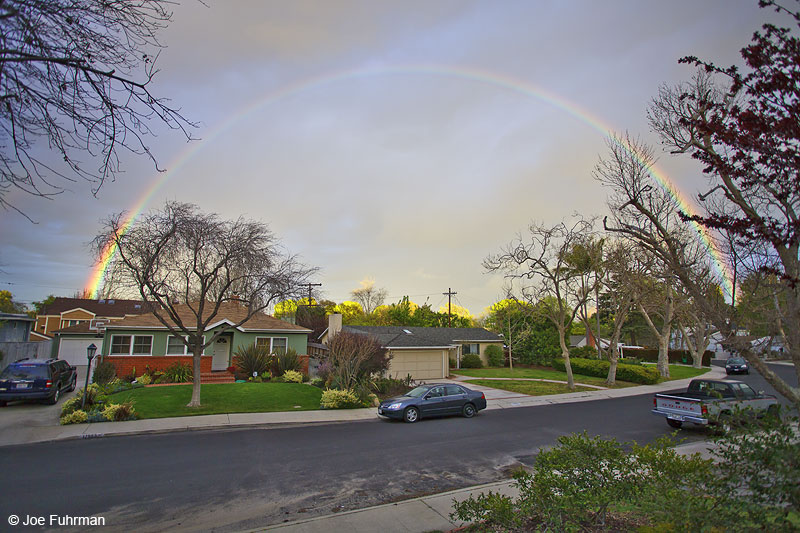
<point>422,353</point>
<point>68,312</point>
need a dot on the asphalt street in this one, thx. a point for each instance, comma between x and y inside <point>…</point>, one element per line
<point>237,479</point>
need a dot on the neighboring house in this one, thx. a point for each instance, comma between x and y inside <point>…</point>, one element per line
<point>423,353</point>
<point>15,327</point>
<point>142,341</point>
<point>67,312</point>
<point>14,331</point>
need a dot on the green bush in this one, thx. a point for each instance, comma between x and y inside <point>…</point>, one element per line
<point>144,379</point>
<point>104,372</point>
<point>318,382</point>
<point>75,417</point>
<point>471,360</point>
<point>339,399</point>
<point>631,361</point>
<point>494,355</point>
<point>284,362</point>
<point>179,373</point>
<point>599,368</point>
<point>292,376</point>
<point>71,405</point>
<point>452,362</point>
<point>585,352</point>
<point>119,412</point>
<point>251,359</point>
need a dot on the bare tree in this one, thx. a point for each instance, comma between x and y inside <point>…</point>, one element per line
<point>369,296</point>
<point>74,90</point>
<point>541,268</point>
<point>622,268</point>
<point>188,264</point>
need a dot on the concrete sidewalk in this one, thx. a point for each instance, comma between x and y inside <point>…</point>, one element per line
<point>497,399</point>
<point>418,515</point>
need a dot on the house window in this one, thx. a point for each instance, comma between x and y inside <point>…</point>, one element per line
<point>131,344</point>
<point>470,348</point>
<point>175,346</point>
<point>276,345</point>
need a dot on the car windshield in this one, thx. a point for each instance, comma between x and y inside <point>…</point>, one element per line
<point>736,361</point>
<point>418,392</point>
<point>24,372</point>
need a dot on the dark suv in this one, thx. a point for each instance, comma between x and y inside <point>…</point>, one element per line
<point>37,379</point>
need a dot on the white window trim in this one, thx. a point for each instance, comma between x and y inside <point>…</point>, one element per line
<point>185,348</point>
<point>271,342</point>
<point>130,346</point>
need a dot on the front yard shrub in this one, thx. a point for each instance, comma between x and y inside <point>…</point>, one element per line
<point>284,362</point>
<point>75,417</point>
<point>71,405</point>
<point>494,354</point>
<point>144,379</point>
<point>251,359</point>
<point>179,373</point>
<point>318,382</point>
<point>104,372</point>
<point>390,387</point>
<point>592,484</point>
<point>354,359</point>
<point>339,399</point>
<point>471,360</point>
<point>119,412</point>
<point>292,376</point>
<point>599,368</point>
<point>583,352</point>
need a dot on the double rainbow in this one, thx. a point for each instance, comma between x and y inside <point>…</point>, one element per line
<point>719,264</point>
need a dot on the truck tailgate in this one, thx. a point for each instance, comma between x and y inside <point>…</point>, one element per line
<point>674,405</point>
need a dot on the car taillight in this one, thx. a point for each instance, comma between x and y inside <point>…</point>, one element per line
<point>654,402</point>
<point>483,397</point>
<point>703,409</point>
<point>48,384</point>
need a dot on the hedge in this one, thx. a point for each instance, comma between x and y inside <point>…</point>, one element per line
<point>599,368</point>
<point>675,356</point>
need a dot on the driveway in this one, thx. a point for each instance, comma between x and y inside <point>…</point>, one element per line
<point>19,419</point>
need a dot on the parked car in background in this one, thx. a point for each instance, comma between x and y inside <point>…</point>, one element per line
<point>709,401</point>
<point>737,365</point>
<point>435,399</point>
<point>37,379</point>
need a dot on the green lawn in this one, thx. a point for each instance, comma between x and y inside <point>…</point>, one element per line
<point>531,388</point>
<point>681,371</point>
<point>675,372</point>
<point>533,373</point>
<point>217,398</point>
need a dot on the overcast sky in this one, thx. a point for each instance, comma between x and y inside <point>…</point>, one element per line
<point>397,141</point>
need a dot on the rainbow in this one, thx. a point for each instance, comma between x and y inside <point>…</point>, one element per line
<point>95,280</point>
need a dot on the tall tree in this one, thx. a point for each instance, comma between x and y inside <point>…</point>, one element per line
<point>8,305</point>
<point>75,89</point>
<point>187,262</point>
<point>539,267</point>
<point>743,126</point>
<point>369,296</point>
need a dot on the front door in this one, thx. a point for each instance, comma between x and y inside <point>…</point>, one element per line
<point>221,351</point>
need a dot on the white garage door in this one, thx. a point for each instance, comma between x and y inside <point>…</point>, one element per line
<point>420,364</point>
<point>73,351</point>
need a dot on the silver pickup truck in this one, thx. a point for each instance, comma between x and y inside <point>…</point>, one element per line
<point>708,400</point>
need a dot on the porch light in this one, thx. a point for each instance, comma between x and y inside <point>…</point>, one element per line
<point>90,351</point>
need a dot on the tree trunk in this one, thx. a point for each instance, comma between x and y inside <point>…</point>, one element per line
<point>195,401</point>
<point>613,348</point>
<point>565,354</point>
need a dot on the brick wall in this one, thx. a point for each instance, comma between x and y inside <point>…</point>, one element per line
<point>125,364</point>
<point>303,364</point>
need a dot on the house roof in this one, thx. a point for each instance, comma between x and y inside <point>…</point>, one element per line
<point>420,337</point>
<point>110,308</point>
<point>16,317</point>
<point>84,328</point>
<point>229,312</point>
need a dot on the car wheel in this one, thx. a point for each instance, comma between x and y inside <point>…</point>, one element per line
<point>73,384</point>
<point>677,424</point>
<point>3,403</point>
<point>411,415</point>
<point>54,398</point>
<point>469,411</point>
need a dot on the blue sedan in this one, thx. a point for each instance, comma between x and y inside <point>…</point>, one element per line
<point>435,399</point>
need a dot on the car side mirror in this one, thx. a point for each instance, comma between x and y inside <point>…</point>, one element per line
<point>761,393</point>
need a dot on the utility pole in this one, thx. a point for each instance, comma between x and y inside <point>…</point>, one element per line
<point>309,285</point>
<point>449,295</point>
